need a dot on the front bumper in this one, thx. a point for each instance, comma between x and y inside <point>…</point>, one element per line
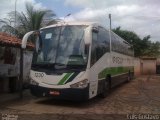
<point>64,94</point>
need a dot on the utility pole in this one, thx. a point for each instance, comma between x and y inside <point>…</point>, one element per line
<point>21,74</point>
<point>21,57</point>
<point>66,17</point>
<point>15,16</point>
<point>110,21</point>
<point>110,32</point>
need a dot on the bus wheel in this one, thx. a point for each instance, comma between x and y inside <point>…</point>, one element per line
<point>129,77</point>
<point>106,88</point>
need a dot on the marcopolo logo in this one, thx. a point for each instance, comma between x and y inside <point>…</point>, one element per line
<point>117,60</point>
<point>39,75</point>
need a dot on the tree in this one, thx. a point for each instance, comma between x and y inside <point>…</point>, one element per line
<point>32,19</point>
<point>6,25</point>
<point>154,49</point>
<point>142,47</point>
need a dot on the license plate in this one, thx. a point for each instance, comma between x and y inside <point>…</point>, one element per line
<point>54,93</point>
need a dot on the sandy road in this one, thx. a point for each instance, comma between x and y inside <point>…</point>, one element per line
<point>141,96</point>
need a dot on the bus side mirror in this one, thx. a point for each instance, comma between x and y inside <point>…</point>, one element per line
<point>86,52</point>
<point>25,38</point>
<point>86,49</point>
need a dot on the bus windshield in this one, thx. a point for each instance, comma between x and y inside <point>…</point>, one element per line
<point>63,45</point>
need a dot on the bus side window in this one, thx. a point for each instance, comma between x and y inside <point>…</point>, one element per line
<point>100,44</point>
<point>93,48</point>
<point>115,43</point>
<point>103,41</point>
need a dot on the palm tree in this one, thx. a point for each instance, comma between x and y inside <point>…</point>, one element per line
<point>6,25</point>
<point>32,19</point>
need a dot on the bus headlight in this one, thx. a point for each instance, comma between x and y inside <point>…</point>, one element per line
<point>33,82</point>
<point>81,84</point>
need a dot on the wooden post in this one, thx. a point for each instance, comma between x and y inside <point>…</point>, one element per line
<point>110,33</point>
<point>21,73</point>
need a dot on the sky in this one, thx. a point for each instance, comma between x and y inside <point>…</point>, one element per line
<point>140,16</point>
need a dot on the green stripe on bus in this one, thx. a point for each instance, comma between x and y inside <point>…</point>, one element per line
<point>68,78</point>
<point>114,71</point>
<point>61,82</point>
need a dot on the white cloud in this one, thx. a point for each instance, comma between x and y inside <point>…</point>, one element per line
<point>83,3</point>
<point>7,6</point>
<point>141,16</point>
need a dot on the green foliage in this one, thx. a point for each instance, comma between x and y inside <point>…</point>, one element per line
<point>32,19</point>
<point>142,47</point>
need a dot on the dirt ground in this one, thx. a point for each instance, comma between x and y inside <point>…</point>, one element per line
<point>140,96</point>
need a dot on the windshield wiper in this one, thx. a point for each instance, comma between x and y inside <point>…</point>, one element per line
<point>44,65</point>
<point>76,67</point>
<point>60,65</point>
<point>69,67</point>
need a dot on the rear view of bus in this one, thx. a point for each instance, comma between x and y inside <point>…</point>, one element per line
<point>59,67</point>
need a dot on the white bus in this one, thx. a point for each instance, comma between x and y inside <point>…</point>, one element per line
<point>78,61</point>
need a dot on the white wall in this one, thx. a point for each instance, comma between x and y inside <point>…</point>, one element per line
<point>148,67</point>
<point>137,68</point>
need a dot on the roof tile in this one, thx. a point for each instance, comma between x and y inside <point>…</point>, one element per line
<point>9,40</point>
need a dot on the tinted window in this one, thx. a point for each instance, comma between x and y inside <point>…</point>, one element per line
<point>116,43</point>
<point>103,39</point>
<point>60,45</point>
<point>120,46</point>
<point>100,44</point>
<point>94,47</point>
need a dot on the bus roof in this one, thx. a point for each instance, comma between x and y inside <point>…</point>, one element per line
<point>72,23</point>
<point>93,24</point>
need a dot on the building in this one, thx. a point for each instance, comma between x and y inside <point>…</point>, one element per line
<point>148,65</point>
<point>10,47</point>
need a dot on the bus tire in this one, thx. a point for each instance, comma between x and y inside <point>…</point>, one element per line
<point>129,77</point>
<point>106,87</point>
